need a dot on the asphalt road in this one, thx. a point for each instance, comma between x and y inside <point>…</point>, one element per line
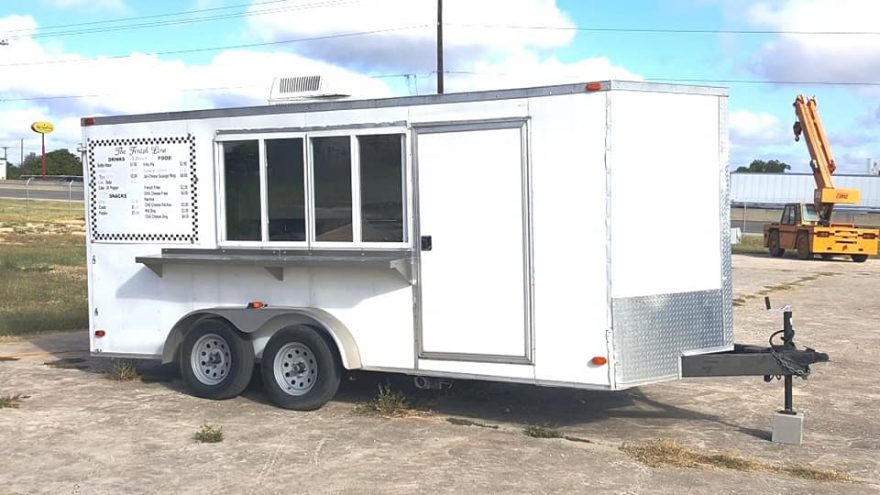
<point>59,192</point>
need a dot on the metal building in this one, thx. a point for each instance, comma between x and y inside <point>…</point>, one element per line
<point>777,189</point>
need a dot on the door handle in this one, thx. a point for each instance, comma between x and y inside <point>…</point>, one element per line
<point>427,245</point>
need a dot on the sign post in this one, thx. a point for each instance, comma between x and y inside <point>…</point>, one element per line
<point>43,128</point>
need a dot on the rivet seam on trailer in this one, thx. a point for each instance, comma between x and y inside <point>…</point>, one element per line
<point>609,314</point>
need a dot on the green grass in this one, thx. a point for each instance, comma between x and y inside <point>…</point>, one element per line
<point>750,244</point>
<point>42,267</point>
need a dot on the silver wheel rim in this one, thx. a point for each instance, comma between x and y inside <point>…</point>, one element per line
<point>296,369</point>
<point>211,359</point>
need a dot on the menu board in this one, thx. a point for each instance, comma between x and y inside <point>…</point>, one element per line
<point>143,190</point>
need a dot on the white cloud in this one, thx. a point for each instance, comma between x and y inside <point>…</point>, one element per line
<point>814,57</point>
<point>136,84</point>
<point>142,82</point>
<point>756,128</point>
<point>93,5</point>
<point>414,49</point>
<point>528,69</point>
<point>477,56</point>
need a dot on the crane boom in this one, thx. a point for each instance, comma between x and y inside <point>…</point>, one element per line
<point>809,124</point>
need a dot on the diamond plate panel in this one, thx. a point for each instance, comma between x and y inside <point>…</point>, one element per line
<point>652,332</point>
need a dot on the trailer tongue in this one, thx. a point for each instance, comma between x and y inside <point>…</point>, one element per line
<point>781,361</point>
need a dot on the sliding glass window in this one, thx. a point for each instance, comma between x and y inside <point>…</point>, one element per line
<point>299,190</point>
<point>381,171</point>
<point>241,176</point>
<point>285,185</point>
<point>331,159</point>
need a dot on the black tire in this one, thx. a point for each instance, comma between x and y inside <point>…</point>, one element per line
<point>223,363</point>
<point>803,246</point>
<point>859,258</point>
<point>773,244</point>
<point>314,368</point>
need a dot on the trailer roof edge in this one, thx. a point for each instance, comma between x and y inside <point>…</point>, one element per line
<point>465,97</point>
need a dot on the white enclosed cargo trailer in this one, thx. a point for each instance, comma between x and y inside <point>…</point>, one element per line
<point>520,235</point>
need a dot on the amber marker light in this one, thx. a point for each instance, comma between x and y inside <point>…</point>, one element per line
<point>593,86</point>
<point>255,305</point>
<point>599,361</point>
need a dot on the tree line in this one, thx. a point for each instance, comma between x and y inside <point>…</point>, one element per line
<point>58,162</point>
<point>764,167</point>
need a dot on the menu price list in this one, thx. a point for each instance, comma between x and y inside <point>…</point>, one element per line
<point>143,188</point>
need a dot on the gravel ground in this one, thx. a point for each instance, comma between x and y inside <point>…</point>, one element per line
<point>78,432</point>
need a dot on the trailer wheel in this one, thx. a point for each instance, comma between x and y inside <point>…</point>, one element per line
<point>773,244</point>
<point>803,247</point>
<point>215,362</point>
<point>300,368</point>
<point>859,258</point>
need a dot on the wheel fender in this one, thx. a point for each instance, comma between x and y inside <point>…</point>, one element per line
<point>261,324</point>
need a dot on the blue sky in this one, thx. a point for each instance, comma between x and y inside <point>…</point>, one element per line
<point>490,43</point>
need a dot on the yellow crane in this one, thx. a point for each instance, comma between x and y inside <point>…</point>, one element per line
<point>808,227</point>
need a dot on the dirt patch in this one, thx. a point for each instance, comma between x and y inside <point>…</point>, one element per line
<point>68,363</point>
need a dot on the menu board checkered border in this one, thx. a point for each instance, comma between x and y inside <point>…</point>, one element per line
<point>97,235</point>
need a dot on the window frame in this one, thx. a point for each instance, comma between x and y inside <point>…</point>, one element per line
<point>309,184</point>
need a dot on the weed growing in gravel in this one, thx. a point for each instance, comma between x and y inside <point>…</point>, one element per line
<point>209,434</point>
<point>541,432</point>
<point>467,422</point>
<point>11,401</point>
<point>123,371</point>
<point>388,403</point>
<point>671,453</point>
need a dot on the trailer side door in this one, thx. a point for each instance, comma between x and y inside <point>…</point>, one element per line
<point>474,290</point>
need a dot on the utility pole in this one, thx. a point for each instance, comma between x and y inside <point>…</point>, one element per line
<point>439,47</point>
<point>21,156</point>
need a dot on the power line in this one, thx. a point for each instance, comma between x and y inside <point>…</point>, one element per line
<point>662,30</point>
<point>180,90</point>
<point>174,22</point>
<point>414,76</point>
<point>134,18</point>
<point>219,48</point>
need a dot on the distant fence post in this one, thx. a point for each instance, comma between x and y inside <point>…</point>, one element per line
<point>745,209</point>
<point>27,197</point>
<point>69,195</point>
